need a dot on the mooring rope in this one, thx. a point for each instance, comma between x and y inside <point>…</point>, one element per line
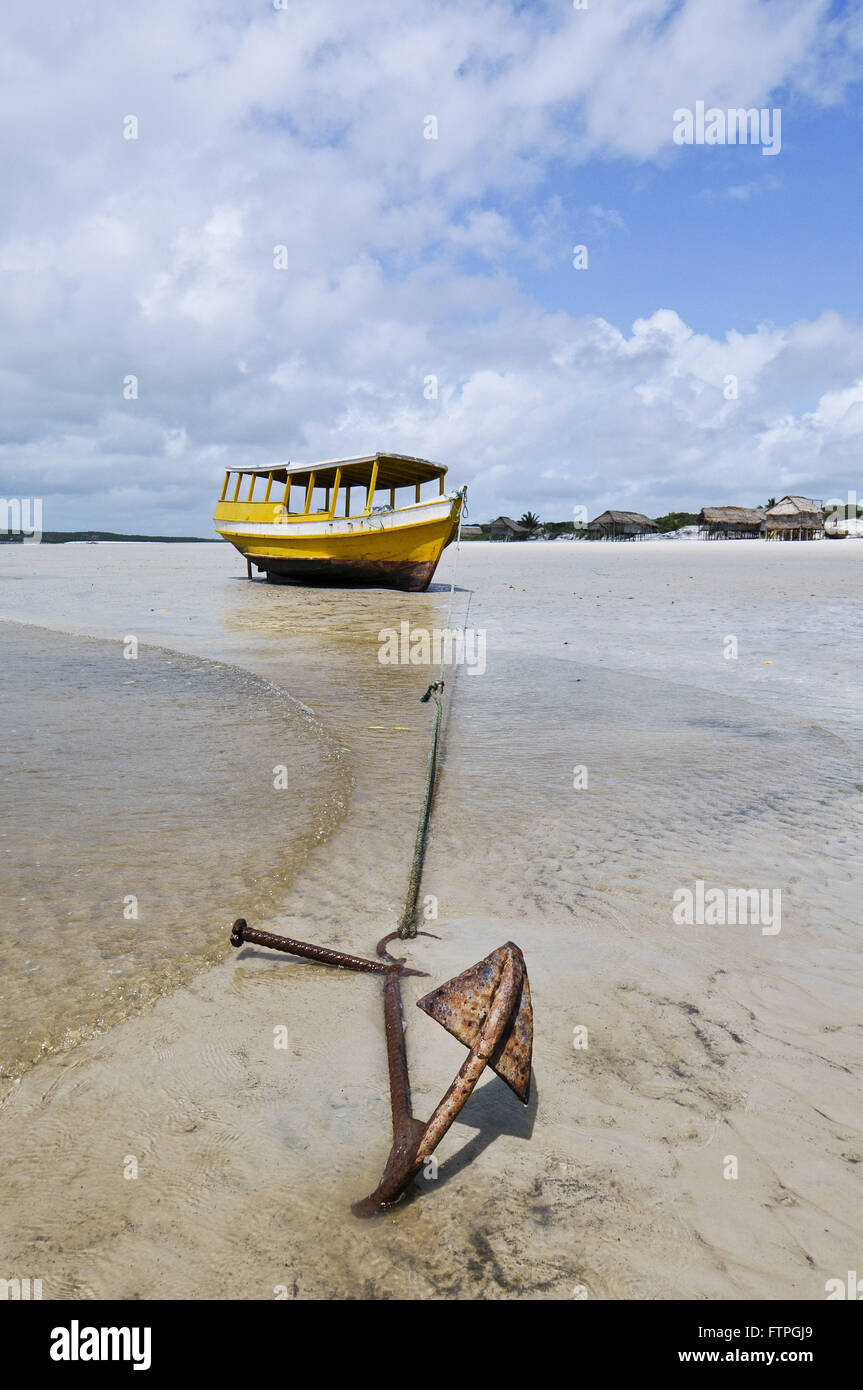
<point>461,512</point>
<point>408,923</point>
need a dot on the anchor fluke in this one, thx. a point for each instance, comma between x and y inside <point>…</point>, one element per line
<point>461,1006</point>
<point>488,1009</point>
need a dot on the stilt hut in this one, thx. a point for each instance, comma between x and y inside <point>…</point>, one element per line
<point>503,528</point>
<point>795,519</point>
<point>730,523</point>
<point>620,526</point>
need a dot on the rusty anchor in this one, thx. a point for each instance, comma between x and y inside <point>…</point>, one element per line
<point>487,1008</point>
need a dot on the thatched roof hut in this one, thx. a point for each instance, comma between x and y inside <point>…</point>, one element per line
<point>620,526</point>
<point>730,523</point>
<point>795,519</point>
<point>503,528</point>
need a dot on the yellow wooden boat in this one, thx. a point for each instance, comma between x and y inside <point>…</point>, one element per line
<point>291,531</point>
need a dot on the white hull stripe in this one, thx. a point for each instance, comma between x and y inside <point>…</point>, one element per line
<point>343,526</point>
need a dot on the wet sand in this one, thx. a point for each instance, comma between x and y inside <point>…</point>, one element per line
<point>703,1041</point>
<point>137,785</point>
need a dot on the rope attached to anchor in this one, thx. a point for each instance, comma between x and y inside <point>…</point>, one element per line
<point>408,923</point>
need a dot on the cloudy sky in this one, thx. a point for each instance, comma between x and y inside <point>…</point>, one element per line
<point>711,349</point>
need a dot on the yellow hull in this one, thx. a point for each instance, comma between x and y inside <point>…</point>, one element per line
<point>396,548</point>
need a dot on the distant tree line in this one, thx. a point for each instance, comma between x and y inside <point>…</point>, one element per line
<point>672,521</point>
<point>61,538</point>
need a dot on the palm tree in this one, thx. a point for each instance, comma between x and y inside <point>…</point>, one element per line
<point>530,521</point>
<point>771,502</point>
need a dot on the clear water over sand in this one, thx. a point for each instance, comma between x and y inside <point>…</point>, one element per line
<point>144,813</point>
<point>705,1041</point>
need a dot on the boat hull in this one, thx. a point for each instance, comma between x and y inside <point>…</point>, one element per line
<point>394,549</point>
<point>387,574</point>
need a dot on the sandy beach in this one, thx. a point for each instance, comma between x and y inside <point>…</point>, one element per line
<point>704,1042</point>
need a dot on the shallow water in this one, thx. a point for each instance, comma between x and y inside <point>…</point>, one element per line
<point>141,816</point>
<point>704,1040</point>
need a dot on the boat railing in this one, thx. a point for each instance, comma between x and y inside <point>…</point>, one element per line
<point>238,500</point>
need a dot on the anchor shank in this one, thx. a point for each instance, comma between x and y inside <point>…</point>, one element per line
<point>397,1058</point>
<point>402,1163</point>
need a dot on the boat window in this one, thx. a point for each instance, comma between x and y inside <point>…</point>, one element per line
<point>320,499</point>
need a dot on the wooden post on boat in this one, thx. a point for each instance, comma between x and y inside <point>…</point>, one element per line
<point>248,567</point>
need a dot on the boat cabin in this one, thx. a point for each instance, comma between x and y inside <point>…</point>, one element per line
<point>353,487</point>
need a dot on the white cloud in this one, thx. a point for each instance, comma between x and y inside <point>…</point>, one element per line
<point>742,192</point>
<point>304,127</point>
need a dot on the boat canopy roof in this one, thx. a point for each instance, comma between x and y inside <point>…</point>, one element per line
<point>394,470</point>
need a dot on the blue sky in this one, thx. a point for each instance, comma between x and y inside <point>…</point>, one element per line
<point>305,127</point>
<point>726,235</point>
